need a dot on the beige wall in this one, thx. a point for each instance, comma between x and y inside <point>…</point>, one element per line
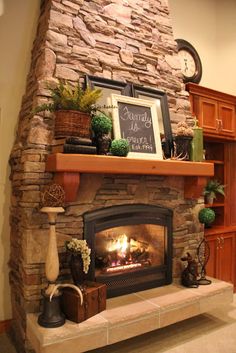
<point>210,26</point>
<point>17,31</point>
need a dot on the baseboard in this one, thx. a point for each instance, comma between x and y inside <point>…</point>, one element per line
<point>5,326</point>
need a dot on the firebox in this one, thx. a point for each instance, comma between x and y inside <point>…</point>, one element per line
<point>131,247</point>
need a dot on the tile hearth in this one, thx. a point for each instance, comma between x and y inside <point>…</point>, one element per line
<point>128,316</point>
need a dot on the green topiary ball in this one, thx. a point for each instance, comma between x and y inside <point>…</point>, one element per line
<point>206,216</point>
<point>101,124</point>
<point>120,147</point>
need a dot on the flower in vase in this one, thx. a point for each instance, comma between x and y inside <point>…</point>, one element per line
<point>80,247</point>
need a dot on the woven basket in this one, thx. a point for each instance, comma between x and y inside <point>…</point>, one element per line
<point>72,123</point>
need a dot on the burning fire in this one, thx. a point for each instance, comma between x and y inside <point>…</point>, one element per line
<point>126,254</point>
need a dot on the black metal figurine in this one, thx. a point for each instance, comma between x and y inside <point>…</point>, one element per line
<point>190,273</point>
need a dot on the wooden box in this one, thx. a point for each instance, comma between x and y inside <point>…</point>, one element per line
<point>94,302</point>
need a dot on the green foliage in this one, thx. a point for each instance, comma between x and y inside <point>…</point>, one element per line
<point>101,124</point>
<point>213,187</point>
<point>67,97</point>
<point>206,216</point>
<point>120,147</point>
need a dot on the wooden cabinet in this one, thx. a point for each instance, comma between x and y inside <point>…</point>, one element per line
<point>216,114</point>
<point>221,264</point>
<point>214,110</point>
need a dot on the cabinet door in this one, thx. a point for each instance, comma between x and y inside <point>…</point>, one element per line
<point>226,258</point>
<point>211,268</point>
<point>208,115</point>
<point>226,119</point>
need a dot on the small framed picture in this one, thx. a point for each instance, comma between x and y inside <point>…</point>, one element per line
<point>136,120</point>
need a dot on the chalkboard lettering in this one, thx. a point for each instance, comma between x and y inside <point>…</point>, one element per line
<point>136,126</point>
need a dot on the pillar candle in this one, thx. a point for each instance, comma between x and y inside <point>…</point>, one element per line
<point>196,154</point>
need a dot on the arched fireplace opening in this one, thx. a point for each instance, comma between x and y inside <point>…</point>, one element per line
<point>131,247</point>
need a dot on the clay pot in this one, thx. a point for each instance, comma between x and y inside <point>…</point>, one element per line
<point>103,143</point>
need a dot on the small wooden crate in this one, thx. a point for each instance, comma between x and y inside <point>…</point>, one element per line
<point>94,302</point>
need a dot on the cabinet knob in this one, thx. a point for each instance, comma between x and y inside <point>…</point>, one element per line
<point>217,124</point>
<point>220,124</point>
<point>218,243</point>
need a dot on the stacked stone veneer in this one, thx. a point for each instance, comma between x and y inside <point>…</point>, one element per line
<point>128,40</point>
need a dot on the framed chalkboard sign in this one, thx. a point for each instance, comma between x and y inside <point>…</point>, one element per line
<point>136,120</point>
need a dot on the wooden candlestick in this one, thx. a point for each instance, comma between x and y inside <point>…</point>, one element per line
<point>52,259</point>
<point>51,315</point>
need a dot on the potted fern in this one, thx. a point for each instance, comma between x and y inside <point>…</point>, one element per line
<point>73,108</point>
<point>211,190</point>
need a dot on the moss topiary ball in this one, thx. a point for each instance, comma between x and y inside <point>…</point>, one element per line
<point>101,124</point>
<point>206,216</point>
<point>120,147</point>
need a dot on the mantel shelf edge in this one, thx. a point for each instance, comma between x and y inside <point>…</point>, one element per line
<point>67,169</point>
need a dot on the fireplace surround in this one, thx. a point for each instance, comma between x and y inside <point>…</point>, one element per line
<point>131,247</point>
<point>124,41</point>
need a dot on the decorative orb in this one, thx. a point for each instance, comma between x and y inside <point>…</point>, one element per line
<point>53,196</point>
<point>206,216</point>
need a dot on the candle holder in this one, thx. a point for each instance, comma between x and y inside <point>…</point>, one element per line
<point>51,315</point>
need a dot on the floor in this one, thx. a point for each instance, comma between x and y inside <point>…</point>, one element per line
<point>212,333</point>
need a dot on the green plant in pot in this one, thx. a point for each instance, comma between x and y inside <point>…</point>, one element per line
<point>102,125</point>
<point>206,216</point>
<point>120,147</point>
<point>182,139</point>
<point>211,190</point>
<point>73,107</point>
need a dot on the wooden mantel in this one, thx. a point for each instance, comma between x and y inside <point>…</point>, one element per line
<point>67,169</point>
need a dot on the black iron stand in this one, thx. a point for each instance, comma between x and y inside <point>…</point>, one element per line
<point>51,315</point>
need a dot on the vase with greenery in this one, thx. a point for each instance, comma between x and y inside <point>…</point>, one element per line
<point>211,190</point>
<point>79,259</point>
<point>182,139</point>
<point>120,147</point>
<point>206,216</point>
<point>73,108</point>
<point>102,125</point>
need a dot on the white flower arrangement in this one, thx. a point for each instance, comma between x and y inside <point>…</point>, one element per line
<point>183,129</point>
<point>78,246</point>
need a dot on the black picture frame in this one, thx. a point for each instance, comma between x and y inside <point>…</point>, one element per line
<point>134,90</point>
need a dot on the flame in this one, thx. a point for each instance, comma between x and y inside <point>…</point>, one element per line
<point>120,245</point>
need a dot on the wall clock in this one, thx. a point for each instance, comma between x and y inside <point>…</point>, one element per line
<point>191,66</point>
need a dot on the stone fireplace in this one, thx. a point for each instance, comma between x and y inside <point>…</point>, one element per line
<point>129,41</point>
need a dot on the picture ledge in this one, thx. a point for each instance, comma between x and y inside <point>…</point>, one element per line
<point>67,169</point>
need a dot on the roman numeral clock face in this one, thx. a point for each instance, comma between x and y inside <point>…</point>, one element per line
<point>191,66</point>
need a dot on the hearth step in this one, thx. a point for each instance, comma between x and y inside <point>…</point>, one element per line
<point>128,316</point>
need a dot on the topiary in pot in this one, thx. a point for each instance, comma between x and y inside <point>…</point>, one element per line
<point>101,126</point>
<point>206,216</point>
<point>120,147</point>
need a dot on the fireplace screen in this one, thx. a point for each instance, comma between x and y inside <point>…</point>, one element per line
<point>131,247</point>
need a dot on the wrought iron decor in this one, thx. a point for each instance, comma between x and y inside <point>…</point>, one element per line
<point>138,91</point>
<point>203,254</point>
